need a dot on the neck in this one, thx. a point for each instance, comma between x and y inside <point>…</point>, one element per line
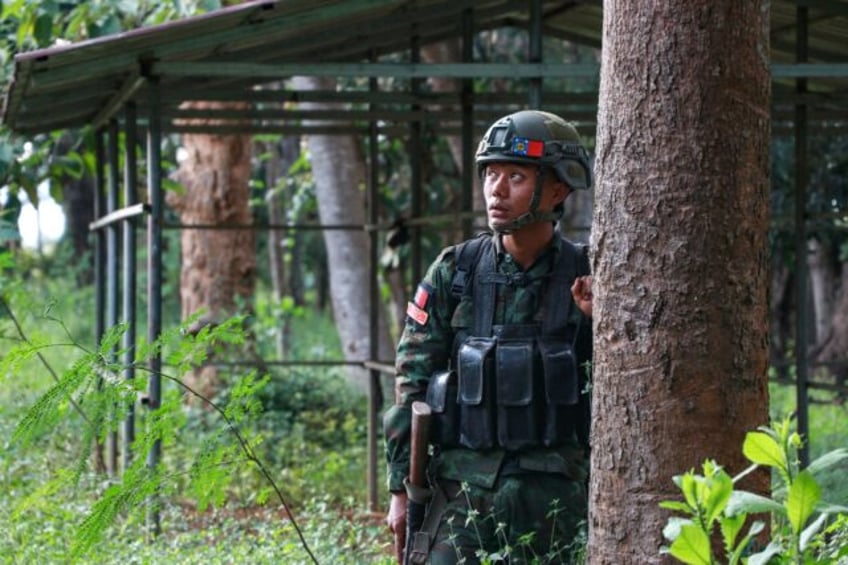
<point>529,242</point>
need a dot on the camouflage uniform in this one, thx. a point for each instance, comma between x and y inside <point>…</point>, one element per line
<point>516,489</point>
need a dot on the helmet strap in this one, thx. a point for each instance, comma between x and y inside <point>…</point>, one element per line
<point>537,191</point>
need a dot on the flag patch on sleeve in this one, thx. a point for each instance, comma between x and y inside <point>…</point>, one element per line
<point>422,295</point>
<point>416,313</point>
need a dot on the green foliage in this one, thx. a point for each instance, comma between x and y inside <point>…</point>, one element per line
<point>802,527</point>
<point>26,25</point>
<point>204,463</point>
<point>523,550</point>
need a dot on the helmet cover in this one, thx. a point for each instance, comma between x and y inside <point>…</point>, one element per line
<point>533,137</point>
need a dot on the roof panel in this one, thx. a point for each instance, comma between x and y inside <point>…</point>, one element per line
<point>69,86</point>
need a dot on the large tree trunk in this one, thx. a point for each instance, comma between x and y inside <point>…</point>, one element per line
<point>679,237</point>
<point>339,170</point>
<point>217,265</point>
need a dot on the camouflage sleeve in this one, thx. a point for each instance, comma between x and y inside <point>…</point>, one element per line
<point>424,347</point>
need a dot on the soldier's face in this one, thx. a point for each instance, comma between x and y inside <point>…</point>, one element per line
<point>508,189</point>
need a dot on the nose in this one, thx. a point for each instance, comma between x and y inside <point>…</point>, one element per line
<point>498,185</point>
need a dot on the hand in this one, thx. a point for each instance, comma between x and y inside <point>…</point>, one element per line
<point>396,520</point>
<point>581,291</point>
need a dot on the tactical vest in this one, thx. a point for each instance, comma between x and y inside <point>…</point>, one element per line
<point>514,387</point>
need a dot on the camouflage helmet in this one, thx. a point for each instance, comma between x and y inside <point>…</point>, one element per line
<point>539,138</point>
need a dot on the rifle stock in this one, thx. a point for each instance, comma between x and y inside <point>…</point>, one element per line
<point>421,417</point>
<point>417,501</point>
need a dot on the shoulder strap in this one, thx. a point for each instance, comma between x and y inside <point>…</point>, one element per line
<point>583,267</point>
<point>467,255</point>
<point>558,301</point>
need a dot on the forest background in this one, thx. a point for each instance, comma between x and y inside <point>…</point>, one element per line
<point>311,420</point>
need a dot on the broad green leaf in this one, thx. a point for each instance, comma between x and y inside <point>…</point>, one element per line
<point>43,29</point>
<point>720,489</point>
<point>739,550</point>
<point>744,501</point>
<point>689,488</point>
<point>673,526</point>
<point>730,528</point>
<point>692,546</point>
<point>763,557</point>
<point>811,530</point>
<point>801,500</point>
<point>676,505</point>
<point>832,508</point>
<point>762,449</point>
<point>828,460</point>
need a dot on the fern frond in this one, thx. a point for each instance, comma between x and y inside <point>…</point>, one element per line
<point>43,496</point>
<point>138,485</point>
<point>47,410</point>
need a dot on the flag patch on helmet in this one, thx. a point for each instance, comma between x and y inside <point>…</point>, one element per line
<point>527,147</point>
<point>417,313</point>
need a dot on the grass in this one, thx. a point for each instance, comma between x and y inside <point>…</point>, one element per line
<point>314,442</point>
<point>313,432</point>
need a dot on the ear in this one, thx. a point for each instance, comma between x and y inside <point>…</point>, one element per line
<point>560,192</point>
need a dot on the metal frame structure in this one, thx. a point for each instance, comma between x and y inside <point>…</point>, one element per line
<point>140,81</point>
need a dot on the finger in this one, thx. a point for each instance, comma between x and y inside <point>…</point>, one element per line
<point>400,542</point>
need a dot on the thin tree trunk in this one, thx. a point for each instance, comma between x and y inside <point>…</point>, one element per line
<point>679,235</point>
<point>821,286</point>
<point>339,170</point>
<point>834,345</point>
<point>283,155</point>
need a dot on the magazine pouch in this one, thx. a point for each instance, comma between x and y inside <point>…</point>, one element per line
<point>441,397</point>
<point>561,389</point>
<point>476,393</point>
<point>518,416</point>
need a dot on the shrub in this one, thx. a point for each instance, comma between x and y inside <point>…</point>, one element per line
<point>804,528</point>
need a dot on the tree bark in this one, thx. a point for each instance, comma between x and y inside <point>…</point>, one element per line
<point>339,170</point>
<point>821,287</point>
<point>218,266</point>
<point>282,156</point>
<point>833,346</point>
<point>679,236</point>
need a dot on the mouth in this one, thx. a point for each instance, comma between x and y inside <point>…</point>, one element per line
<point>498,212</point>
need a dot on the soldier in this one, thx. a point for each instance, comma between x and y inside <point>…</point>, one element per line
<point>497,340</point>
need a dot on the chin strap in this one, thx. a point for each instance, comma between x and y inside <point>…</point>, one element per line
<point>532,215</point>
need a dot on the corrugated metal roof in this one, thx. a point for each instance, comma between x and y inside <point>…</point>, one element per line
<point>242,52</point>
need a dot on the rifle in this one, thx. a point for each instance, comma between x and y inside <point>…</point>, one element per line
<point>418,492</point>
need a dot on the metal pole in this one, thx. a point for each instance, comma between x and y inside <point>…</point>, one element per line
<point>130,271</point>
<point>468,169</point>
<point>154,279</point>
<point>113,280</point>
<point>535,55</point>
<point>415,163</point>
<point>374,390</point>
<point>99,239</point>
<point>99,262</point>
<point>801,269</point>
